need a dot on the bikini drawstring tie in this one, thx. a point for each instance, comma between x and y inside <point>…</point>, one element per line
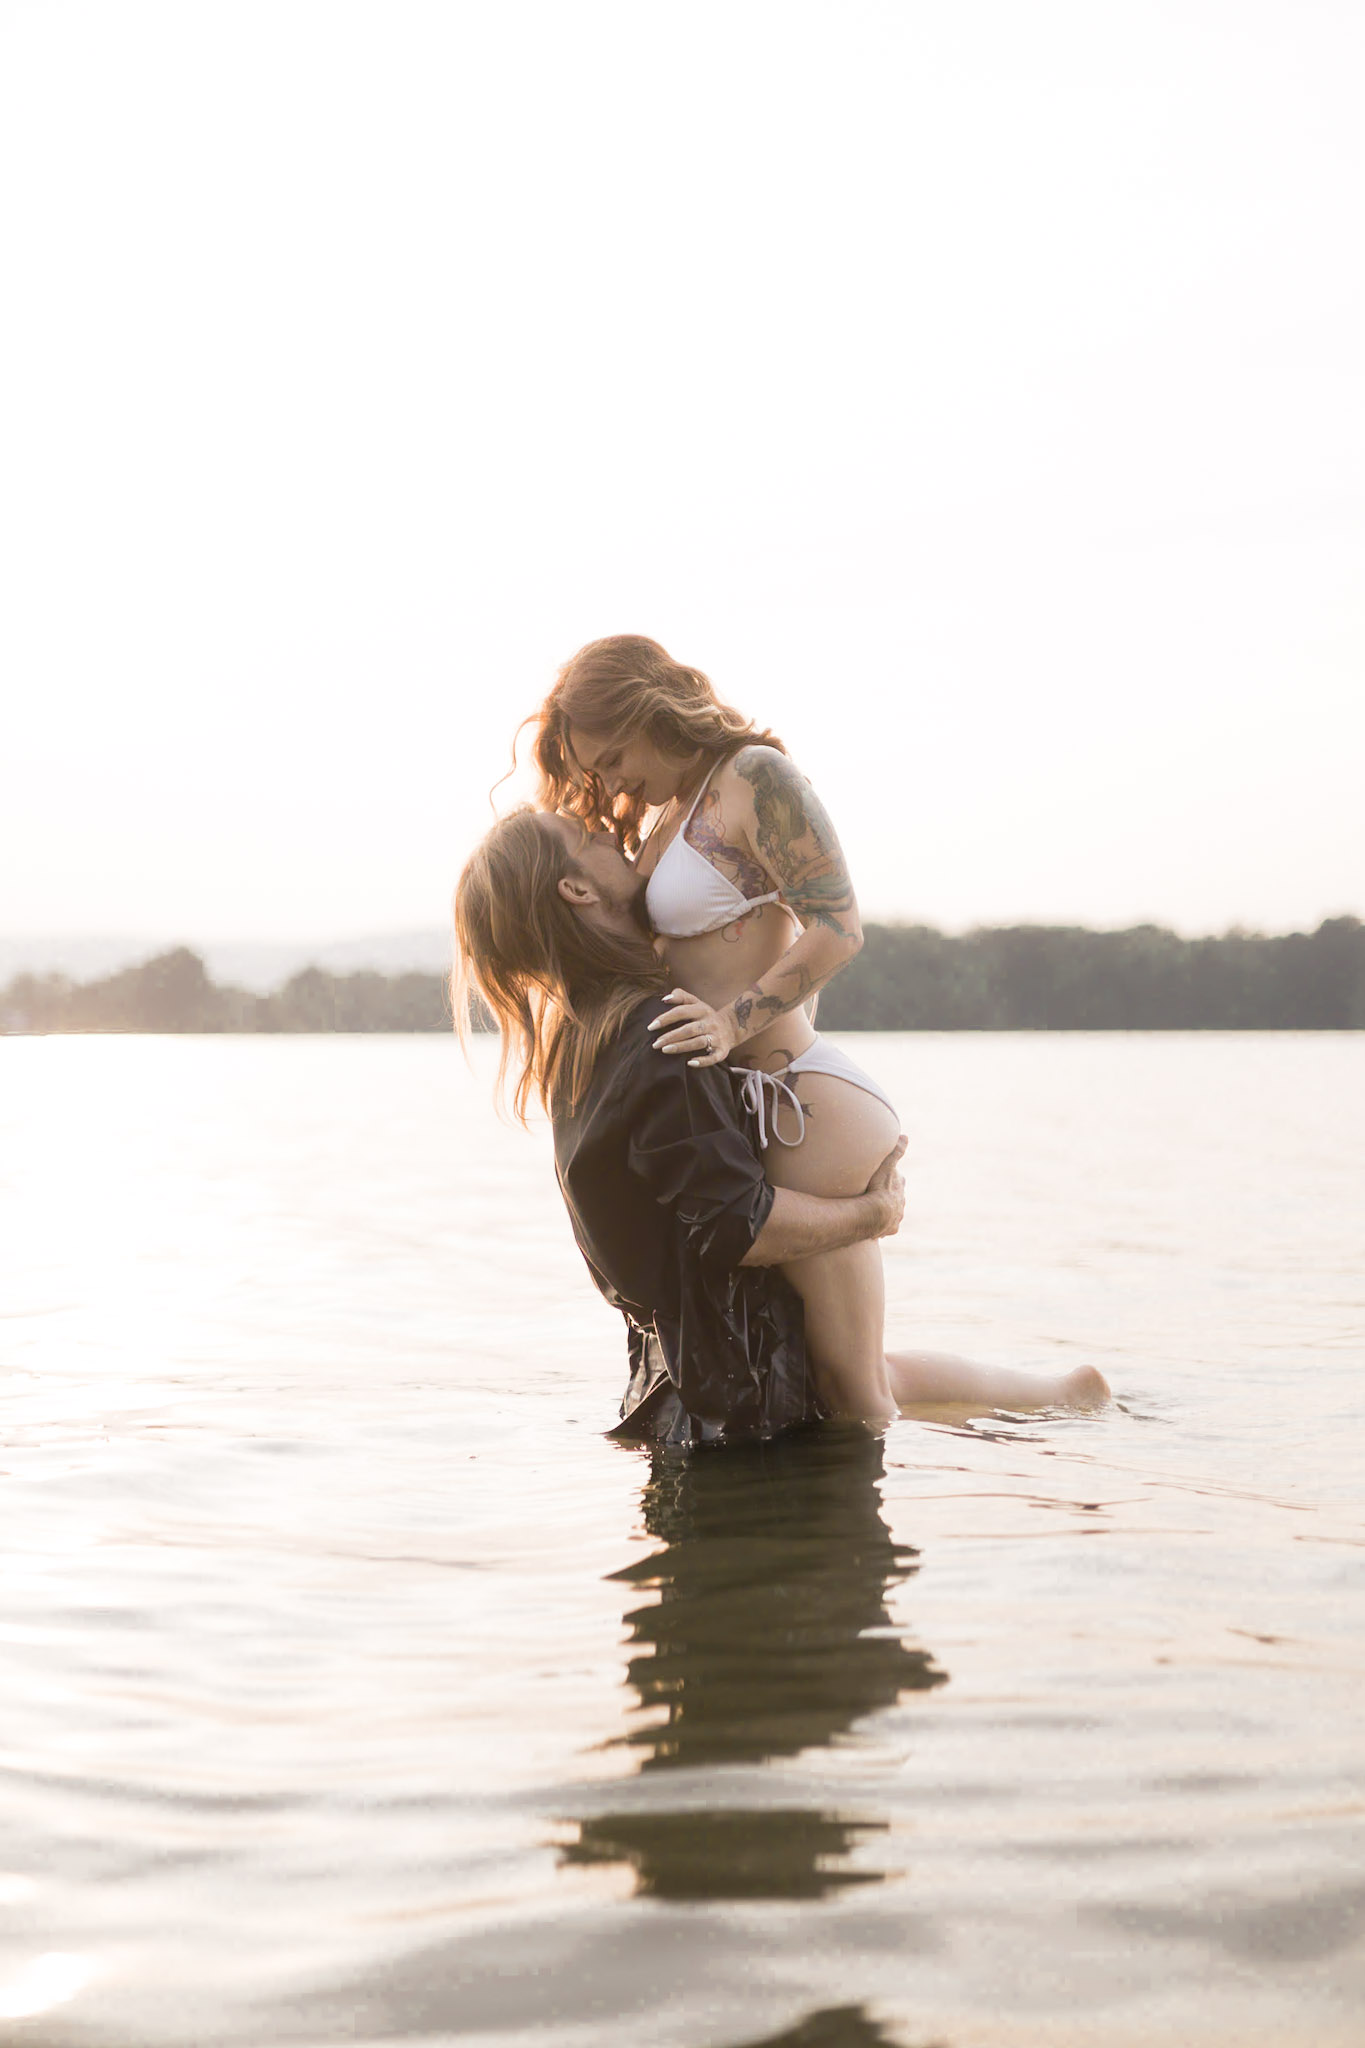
<point>752,1083</point>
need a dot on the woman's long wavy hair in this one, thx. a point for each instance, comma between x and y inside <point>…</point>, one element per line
<point>617,688</point>
<point>559,987</point>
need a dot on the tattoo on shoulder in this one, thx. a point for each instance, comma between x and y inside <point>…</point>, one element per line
<point>797,840</point>
<point>706,831</point>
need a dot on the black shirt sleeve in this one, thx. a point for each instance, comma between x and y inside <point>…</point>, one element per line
<point>689,1149</point>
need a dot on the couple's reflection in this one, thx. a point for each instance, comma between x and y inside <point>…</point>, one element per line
<point>767,1633</point>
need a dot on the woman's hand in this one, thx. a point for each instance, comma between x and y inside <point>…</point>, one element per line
<point>693,1027</point>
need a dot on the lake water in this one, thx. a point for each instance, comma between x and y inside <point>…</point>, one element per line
<point>356,1689</point>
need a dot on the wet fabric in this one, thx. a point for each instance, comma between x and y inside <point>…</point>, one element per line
<point>666,1195</point>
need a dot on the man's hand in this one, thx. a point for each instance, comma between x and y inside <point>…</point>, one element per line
<point>889,1182</point>
<point>801,1226</point>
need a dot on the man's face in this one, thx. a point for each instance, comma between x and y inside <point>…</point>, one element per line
<point>619,891</point>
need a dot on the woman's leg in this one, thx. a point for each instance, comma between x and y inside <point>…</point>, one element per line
<point>934,1379</point>
<point>843,1297</point>
<point>848,1135</point>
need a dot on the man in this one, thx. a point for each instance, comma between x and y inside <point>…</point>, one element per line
<point>682,1232</point>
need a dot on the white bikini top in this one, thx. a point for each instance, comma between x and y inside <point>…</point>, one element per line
<point>686,896</point>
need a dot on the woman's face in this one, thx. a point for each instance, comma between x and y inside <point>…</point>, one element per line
<point>635,765</point>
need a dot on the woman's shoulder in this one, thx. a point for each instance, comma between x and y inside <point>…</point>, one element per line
<point>760,783</point>
<point>757,768</point>
<point>757,756</point>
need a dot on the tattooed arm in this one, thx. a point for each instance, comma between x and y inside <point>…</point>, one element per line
<point>792,836</point>
<point>792,844</point>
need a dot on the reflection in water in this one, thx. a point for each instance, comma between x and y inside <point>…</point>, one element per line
<point>835,2026</point>
<point>770,1635</point>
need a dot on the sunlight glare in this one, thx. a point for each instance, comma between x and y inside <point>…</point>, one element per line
<point>49,1980</point>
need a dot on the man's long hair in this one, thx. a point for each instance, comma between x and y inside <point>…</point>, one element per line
<point>616,688</point>
<point>559,987</point>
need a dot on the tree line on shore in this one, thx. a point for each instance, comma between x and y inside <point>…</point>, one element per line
<point>907,978</point>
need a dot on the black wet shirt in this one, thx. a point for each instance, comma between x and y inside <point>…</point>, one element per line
<point>666,1195</point>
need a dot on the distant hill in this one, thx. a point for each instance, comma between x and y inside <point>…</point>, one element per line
<point>174,992</point>
<point>907,978</point>
<point>1065,978</point>
<point>256,965</point>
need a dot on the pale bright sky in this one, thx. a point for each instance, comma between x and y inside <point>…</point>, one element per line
<point>973,389</point>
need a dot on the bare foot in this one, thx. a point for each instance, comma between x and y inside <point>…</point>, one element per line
<point>1086,1387</point>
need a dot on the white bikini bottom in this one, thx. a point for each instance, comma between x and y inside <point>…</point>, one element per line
<point>821,1058</point>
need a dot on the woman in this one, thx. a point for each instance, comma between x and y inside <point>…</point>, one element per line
<point>669,1202</point>
<point>748,889</point>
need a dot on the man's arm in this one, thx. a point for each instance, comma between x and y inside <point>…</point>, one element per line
<point>799,1226</point>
